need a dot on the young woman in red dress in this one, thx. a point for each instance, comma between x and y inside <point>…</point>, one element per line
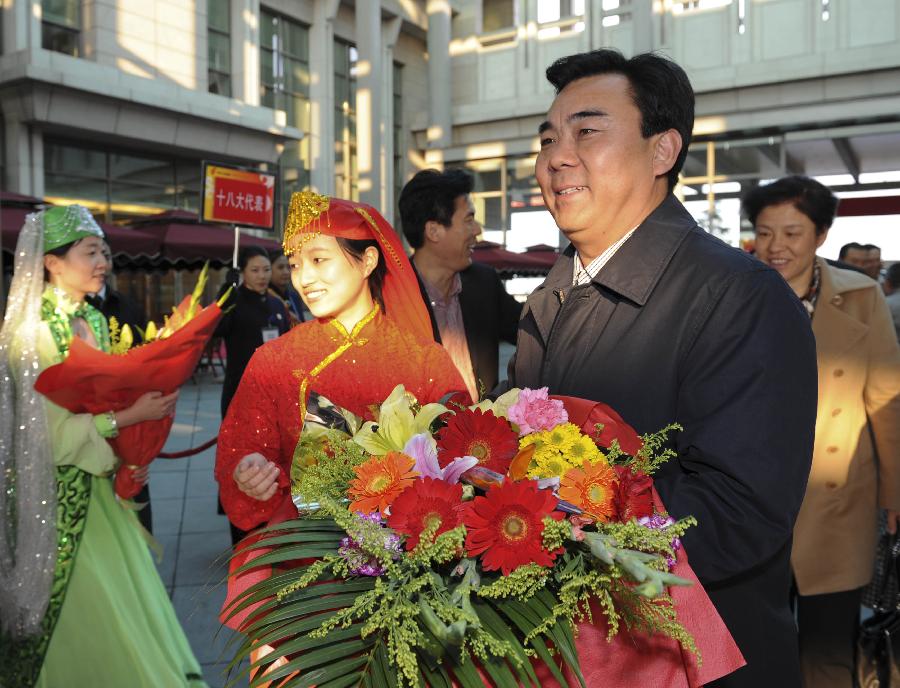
<point>371,332</point>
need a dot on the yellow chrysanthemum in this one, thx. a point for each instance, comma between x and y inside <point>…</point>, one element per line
<point>583,449</point>
<point>550,464</point>
<point>562,436</point>
<point>533,438</point>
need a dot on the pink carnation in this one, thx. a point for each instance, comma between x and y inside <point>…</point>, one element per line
<point>535,412</point>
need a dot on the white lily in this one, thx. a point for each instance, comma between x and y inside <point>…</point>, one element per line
<point>396,423</point>
<point>500,406</point>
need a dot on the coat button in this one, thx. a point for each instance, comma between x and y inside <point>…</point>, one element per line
<point>835,413</point>
<point>832,450</point>
<point>837,299</point>
<point>830,485</point>
<point>839,372</point>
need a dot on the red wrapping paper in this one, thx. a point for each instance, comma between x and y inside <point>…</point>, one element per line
<point>639,659</point>
<point>92,381</point>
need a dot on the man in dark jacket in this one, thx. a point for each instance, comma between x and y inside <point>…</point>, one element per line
<point>470,309</point>
<point>651,315</point>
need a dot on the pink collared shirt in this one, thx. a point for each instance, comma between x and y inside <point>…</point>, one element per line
<point>448,315</point>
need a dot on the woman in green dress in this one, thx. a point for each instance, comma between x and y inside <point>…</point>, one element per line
<point>81,603</point>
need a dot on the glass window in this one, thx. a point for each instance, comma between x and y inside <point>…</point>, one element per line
<point>346,178</point>
<point>554,10</point>
<point>61,26</point>
<point>134,169</point>
<point>61,12</point>
<point>119,185</point>
<point>218,13</point>
<point>218,37</point>
<point>497,14</point>
<point>75,188</point>
<point>284,85</point>
<point>80,161</point>
<point>399,142</point>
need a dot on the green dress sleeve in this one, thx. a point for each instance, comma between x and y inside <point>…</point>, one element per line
<point>75,438</point>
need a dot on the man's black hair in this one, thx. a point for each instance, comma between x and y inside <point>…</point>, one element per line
<point>660,89</point>
<point>812,198</point>
<point>892,275</point>
<point>431,195</point>
<point>852,246</point>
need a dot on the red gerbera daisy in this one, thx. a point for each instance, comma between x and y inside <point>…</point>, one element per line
<point>427,501</point>
<point>507,526</point>
<point>633,497</point>
<point>489,439</point>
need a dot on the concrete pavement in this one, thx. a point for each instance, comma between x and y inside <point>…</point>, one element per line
<point>195,539</point>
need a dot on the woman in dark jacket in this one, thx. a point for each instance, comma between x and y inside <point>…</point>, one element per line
<point>253,316</point>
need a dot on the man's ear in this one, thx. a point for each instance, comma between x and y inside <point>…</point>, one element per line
<point>668,146</point>
<point>820,238</point>
<point>433,231</point>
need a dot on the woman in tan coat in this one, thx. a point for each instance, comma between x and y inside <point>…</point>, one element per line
<point>856,461</point>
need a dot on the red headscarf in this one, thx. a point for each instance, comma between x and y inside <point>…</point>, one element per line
<point>311,213</point>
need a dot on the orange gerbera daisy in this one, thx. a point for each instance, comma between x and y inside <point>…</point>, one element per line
<point>380,480</point>
<point>592,488</point>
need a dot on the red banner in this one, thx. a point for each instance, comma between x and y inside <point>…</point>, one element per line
<point>238,196</point>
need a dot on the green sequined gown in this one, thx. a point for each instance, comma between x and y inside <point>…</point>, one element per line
<point>110,621</point>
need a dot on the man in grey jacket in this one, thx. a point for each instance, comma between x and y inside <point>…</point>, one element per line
<point>648,313</point>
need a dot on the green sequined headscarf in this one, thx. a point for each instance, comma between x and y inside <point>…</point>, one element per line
<point>67,224</point>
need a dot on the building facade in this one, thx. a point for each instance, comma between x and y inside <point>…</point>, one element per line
<point>115,103</point>
<point>783,86</point>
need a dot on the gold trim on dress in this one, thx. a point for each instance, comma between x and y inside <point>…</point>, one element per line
<point>349,339</point>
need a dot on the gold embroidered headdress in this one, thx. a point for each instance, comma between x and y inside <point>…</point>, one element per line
<point>303,218</point>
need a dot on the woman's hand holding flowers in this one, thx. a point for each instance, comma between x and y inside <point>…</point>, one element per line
<point>256,476</point>
<point>149,406</point>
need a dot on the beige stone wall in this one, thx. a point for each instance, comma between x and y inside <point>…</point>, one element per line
<point>163,39</point>
<point>410,52</point>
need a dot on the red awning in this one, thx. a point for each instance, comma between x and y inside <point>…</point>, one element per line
<point>869,205</point>
<point>507,262</point>
<point>185,240</point>
<point>13,209</point>
<point>126,244</point>
<point>547,255</point>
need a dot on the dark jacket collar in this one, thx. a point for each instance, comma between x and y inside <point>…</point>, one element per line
<point>636,267</point>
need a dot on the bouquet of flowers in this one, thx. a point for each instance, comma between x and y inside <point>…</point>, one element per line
<point>93,381</point>
<point>498,550</point>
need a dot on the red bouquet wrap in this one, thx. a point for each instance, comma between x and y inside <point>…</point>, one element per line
<point>639,659</point>
<point>92,381</point>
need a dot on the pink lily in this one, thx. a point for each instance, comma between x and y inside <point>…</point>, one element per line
<point>423,449</point>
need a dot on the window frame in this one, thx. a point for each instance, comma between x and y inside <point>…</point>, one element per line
<point>222,76</point>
